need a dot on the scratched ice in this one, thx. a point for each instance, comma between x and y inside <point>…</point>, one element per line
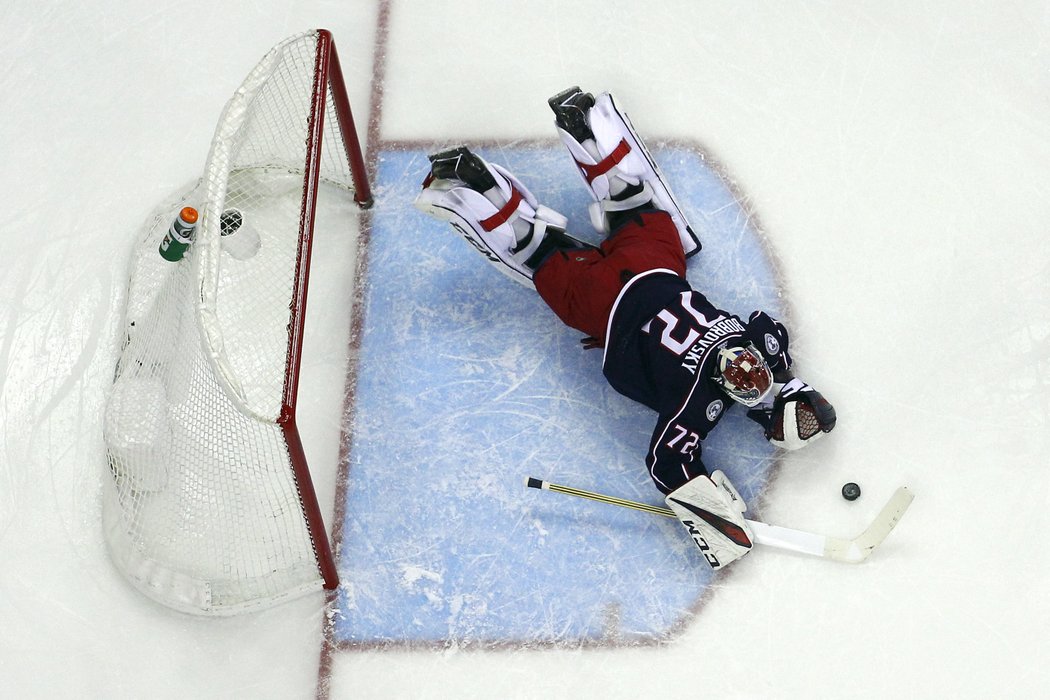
<point>468,384</point>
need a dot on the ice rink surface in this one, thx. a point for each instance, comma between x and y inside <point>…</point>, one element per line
<point>458,356</point>
<point>897,157</point>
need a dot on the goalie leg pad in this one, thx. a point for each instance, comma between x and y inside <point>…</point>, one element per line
<point>619,171</point>
<point>505,223</point>
<point>712,512</point>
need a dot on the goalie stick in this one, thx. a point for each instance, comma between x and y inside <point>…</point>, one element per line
<point>852,551</point>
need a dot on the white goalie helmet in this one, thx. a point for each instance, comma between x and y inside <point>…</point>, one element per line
<point>743,374</point>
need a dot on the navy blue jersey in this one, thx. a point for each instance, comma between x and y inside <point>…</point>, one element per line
<point>660,351</point>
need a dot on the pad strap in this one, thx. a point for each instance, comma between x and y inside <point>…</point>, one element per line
<point>592,171</point>
<point>506,211</point>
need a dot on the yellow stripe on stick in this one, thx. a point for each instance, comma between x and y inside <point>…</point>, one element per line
<point>601,498</point>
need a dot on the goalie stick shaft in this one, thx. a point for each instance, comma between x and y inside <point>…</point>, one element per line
<point>590,495</point>
<point>851,551</point>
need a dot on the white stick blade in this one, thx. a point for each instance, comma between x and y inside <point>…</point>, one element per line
<point>858,549</point>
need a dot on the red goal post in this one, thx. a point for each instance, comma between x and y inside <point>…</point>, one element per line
<point>209,506</point>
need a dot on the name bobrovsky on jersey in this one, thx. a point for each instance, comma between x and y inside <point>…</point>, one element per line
<point>694,357</point>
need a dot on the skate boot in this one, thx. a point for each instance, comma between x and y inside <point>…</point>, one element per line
<point>614,163</point>
<point>494,211</point>
<point>460,164</point>
<point>570,112</point>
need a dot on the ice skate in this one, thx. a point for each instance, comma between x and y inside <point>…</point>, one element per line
<point>460,164</point>
<point>570,112</point>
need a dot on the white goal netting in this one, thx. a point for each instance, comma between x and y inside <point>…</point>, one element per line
<point>208,507</point>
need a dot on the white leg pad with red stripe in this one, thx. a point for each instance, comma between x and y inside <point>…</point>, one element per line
<point>490,227</point>
<point>618,153</point>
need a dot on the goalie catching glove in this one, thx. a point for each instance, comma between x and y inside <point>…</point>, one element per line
<point>798,415</point>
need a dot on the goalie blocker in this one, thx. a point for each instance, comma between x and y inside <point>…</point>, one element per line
<point>713,514</point>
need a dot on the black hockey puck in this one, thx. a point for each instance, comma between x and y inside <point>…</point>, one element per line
<point>851,491</point>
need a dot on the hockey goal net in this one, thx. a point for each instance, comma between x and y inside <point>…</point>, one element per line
<point>209,507</point>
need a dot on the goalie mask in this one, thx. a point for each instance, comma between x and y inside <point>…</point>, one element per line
<point>743,374</point>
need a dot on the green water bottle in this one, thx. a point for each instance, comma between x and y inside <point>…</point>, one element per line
<point>179,236</point>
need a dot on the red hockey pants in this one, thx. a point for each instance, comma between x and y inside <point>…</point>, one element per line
<point>581,286</point>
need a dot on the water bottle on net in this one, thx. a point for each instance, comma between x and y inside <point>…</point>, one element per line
<point>179,236</point>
